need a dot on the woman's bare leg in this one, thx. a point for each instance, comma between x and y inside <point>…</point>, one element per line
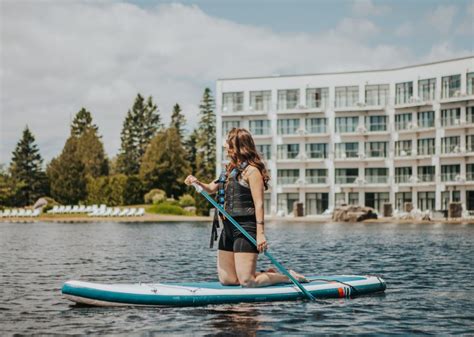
<point>246,264</point>
<point>226,268</point>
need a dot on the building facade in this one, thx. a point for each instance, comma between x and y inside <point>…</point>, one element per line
<point>365,137</point>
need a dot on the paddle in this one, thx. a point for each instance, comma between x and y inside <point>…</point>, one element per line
<point>280,267</point>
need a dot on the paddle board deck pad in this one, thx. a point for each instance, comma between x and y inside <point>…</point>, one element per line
<point>202,293</point>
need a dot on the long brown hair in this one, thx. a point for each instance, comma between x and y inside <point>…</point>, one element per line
<point>241,148</point>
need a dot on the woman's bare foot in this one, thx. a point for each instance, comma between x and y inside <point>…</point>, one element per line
<point>299,277</point>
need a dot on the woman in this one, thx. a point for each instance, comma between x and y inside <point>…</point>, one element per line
<point>246,179</point>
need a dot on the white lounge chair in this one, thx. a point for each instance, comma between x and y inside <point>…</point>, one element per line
<point>14,212</point>
<point>53,210</point>
<point>28,212</point>
<point>21,213</point>
<point>60,210</point>
<point>108,212</point>
<point>116,212</point>
<point>36,212</point>
<point>7,213</point>
<point>124,212</point>
<point>140,212</point>
<point>75,209</point>
<point>132,212</point>
<point>82,209</point>
<point>68,209</point>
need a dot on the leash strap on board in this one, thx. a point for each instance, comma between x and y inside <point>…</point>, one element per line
<point>277,264</point>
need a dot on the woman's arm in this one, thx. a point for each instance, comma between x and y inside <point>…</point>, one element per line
<point>209,188</point>
<point>255,180</point>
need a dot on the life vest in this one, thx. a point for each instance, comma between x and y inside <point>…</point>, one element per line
<point>235,198</point>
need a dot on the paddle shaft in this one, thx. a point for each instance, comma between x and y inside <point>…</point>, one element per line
<point>251,239</point>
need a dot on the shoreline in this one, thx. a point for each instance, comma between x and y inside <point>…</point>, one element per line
<point>154,218</point>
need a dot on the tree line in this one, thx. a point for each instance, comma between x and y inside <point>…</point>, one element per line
<point>151,156</point>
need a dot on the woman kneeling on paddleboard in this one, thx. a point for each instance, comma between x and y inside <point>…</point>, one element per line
<point>241,186</point>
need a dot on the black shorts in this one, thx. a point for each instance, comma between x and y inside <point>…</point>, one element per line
<point>232,240</point>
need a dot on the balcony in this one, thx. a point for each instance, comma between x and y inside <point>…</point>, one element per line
<point>457,96</point>
<point>403,179</point>
<point>451,177</point>
<point>238,110</point>
<point>346,179</point>
<point>426,151</point>
<point>376,127</point>
<point>425,123</point>
<point>316,180</point>
<point>403,153</point>
<point>291,156</point>
<point>350,106</point>
<point>452,151</point>
<point>470,176</point>
<point>452,122</point>
<point>376,179</point>
<point>284,181</point>
<point>347,154</point>
<point>318,105</point>
<point>261,132</point>
<point>413,102</point>
<point>317,130</point>
<point>376,154</point>
<point>425,178</point>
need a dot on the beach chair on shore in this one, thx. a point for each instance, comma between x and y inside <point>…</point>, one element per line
<point>132,212</point>
<point>6,213</point>
<point>75,209</point>
<point>21,213</point>
<point>53,210</point>
<point>124,212</point>
<point>140,212</point>
<point>36,212</point>
<point>108,211</point>
<point>82,209</point>
<point>115,212</point>
<point>28,213</point>
<point>14,213</point>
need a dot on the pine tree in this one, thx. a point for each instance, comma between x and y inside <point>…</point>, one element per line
<point>206,146</point>
<point>68,175</point>
<point>26,168</point>
<point>178,120</point>
<point>164,164</point>
<point>140,125</point>
<point>82,122</point>
<point>190,145</point>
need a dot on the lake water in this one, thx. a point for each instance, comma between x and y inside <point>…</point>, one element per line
<point>429,272</point>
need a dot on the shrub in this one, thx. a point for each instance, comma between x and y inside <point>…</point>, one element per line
<point>155,196</point>
<point>166,207</point>
<point>187,200</point>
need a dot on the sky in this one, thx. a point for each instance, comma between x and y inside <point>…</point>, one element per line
<point>59,56</point>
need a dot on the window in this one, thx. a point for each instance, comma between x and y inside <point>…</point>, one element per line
<point>470,83</point>
<point>450,117</point>
<point>470,172</point>
<point>403,121</point>
<point>426,89</point>
<point>259,127</point>
<point>447,197</point>
<point>425,146</point>
<point>347,150</point>
<point>316,176</point>
<point>260,100</point>
<point>401,198</point>
<point>402,174</point>
<point>316,150</point>
<point>450,144</point>
<point>340,198</point>
<point>426,174</point>
<point>285,202</point>
<point>288,126</point>
<point>470,114</point>
<point>376,149</point>
<point>450,172</point>
<point>267,203</point>
<point>346,175</point>
<point>403,92</point>
<point>403,148</point>
<point>288,99</point>
<point>346,124</point>
<point>317,97</point>
<point>470,143</point>
<point>426,201</point>
<point>354,198</point>
<point>229,125</point>
<point>287,177</point>
<point>232,102</point>
<point>347,96</point>
<point>316,203</point>
<point>316,125</point>
<point>376,123</point>
<point>426,119</point>
<point>265,150</point>
<point>376,175</point>
<point>288,151</point>
<point>376,94</point>
<point>376,200</point>
<point>450,86</point>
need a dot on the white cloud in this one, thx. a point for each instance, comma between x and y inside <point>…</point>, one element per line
<point>441,18</point>
<point>59,56</point>
<point>445,50</point>
<point>405,29</point>
<point>368,8</point>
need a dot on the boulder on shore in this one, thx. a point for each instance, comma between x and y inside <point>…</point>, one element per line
<point>353,213</point>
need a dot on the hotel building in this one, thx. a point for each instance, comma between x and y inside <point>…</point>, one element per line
<point>362,137</point>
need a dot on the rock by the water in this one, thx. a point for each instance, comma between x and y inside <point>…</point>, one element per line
<point>353,213</point>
